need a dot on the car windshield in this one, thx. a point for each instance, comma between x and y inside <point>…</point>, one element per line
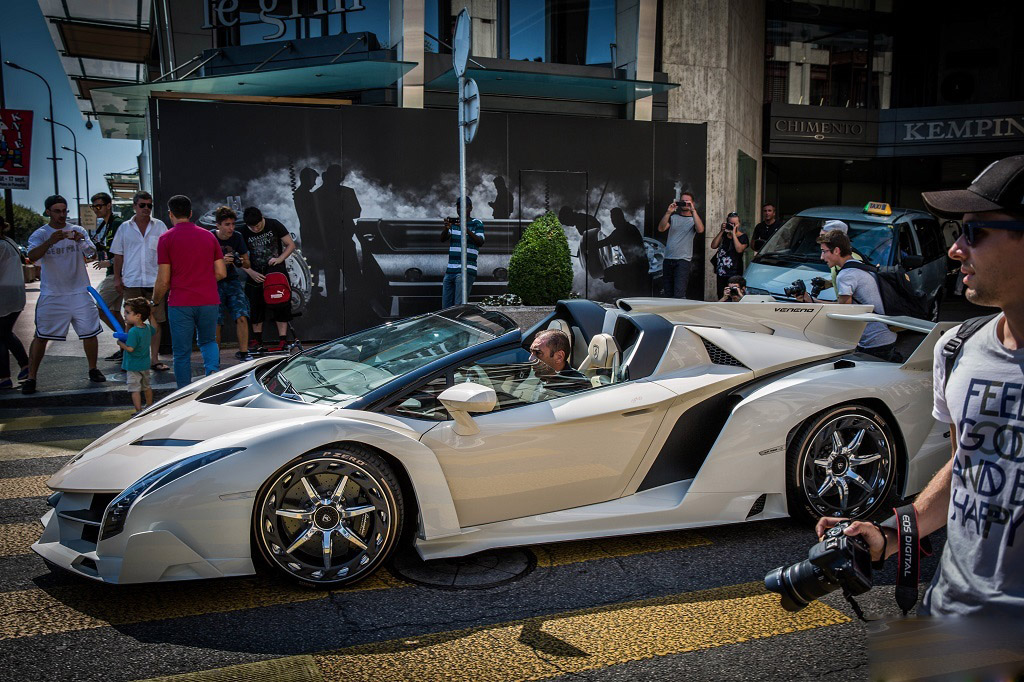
<point>796,241</point>
<point>354,365</point>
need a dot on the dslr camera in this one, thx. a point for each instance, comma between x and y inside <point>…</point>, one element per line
<point>799,287</point>
<point>838,561</point>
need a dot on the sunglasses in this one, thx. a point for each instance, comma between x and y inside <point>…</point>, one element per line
<point>98,206</point>
<point>973,229</point>
<point>143,204</point>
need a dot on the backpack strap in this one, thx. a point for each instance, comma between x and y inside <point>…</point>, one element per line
<point>951,351</point>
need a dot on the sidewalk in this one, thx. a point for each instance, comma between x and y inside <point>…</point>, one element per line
<point>63,374</point>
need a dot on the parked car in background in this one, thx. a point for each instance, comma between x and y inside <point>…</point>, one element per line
<point>887,237</point>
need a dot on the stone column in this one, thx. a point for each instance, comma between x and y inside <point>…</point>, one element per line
<point>715,50</point>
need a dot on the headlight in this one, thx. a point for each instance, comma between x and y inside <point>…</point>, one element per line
<point>117,511</point>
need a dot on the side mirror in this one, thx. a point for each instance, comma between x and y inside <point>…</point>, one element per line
<point>912,262</point>
<point>461,399</point>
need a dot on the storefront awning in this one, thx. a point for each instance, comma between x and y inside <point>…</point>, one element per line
<point>554,86</point>
<point>131,100</point>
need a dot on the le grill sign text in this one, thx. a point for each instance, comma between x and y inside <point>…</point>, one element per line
<point>224,13</point>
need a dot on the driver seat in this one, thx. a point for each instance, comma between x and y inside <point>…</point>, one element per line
<point>602,362</point>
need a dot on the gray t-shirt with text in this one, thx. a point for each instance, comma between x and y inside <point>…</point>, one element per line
<point>679,244</point>
<point>982,567</point>
<point>862,286</point>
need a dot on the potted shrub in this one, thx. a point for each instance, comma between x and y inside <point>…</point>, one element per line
<point>540,270</point>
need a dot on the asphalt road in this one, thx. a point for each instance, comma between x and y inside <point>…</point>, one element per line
<point>670,605</point>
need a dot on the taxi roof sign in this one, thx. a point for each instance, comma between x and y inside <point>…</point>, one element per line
<point>877,208</point>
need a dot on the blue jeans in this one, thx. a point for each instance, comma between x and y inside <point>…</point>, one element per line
<point>189,322</point>
<point>675,274</point>
<point>451,287</point>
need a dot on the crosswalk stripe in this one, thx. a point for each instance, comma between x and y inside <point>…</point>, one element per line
<point>55,448</point>
<point>30,612</point>
<point>50,421</point>
<point>562,553</point>
<point>555,645</point>
<point>26,486</point>
<point>578,641</point>
<point>17,538</point>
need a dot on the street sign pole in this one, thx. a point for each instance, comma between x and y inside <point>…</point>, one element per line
<point>460,56</point>
<point>462,189</point>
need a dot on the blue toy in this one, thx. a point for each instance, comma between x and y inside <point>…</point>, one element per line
<point>120,334</point>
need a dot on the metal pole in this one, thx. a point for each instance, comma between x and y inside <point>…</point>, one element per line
<point>462,187</point>
<point>74,143</point>
<point>85,160</point>
<point>8,194</point>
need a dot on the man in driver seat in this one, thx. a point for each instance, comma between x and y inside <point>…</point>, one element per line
<point>552,348</point>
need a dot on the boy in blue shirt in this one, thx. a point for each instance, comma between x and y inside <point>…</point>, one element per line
<point>135,360</point>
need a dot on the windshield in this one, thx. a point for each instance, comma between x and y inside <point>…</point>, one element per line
<point>797,241</point>
<point>354,365</point>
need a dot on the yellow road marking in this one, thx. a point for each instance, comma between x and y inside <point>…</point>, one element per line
<point>17,538</point>
<point>26,486</point>
<point>49,421</point>
<point>32,612</point>
<point>54,448</point>
<point>559,554</point>
<point>28,613</point>
<point>291,669</point>
<point>577,641</point>
<point>559,644</point>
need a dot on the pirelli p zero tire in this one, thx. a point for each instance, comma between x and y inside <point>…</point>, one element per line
<point>329,518</point>
<point>842,462</point>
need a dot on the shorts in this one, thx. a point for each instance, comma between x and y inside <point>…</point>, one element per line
<point>108,292</point>
<point>138,380</point>
<point>259,309</point>
<point>56,312</point>
<point>158,313</point>
<point>233,302</point>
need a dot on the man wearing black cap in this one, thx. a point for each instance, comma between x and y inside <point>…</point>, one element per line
<point>979,494</point>
<point>64,301</point>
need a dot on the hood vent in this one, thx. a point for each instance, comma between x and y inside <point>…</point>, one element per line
<point>224,391</point>
<point>719,356</point>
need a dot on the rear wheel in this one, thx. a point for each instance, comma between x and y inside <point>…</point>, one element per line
<point>329,518</point>
<point>842,462</point>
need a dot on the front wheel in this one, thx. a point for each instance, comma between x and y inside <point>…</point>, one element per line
<point>329,518</point>
<point>842,462</point>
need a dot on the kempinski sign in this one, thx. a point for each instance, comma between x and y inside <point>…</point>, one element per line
<point>845,132</point>
<point>956,130</point>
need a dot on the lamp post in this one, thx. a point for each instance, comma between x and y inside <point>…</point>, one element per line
<point>53,133</point>
<point>74,144</point>
<point>86,161</point>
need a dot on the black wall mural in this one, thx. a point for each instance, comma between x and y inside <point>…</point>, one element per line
<point>364,191</point>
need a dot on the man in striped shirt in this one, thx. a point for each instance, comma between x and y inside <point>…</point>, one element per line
<point>451,286</point>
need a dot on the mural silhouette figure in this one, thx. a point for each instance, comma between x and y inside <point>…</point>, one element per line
<point>501,207</point>
<point>338,208</point>
<point>309,223</point>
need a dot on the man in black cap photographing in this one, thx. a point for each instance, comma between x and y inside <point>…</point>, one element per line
<point>979,390</point>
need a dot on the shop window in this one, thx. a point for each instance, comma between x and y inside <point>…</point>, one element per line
<point>561,31</point>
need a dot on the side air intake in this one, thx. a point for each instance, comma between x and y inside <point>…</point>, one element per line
<point>719,356</point>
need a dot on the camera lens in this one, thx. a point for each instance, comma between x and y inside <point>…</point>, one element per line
<point>798,584</point>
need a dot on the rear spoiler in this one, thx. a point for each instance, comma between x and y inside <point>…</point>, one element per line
<point>921,359</point>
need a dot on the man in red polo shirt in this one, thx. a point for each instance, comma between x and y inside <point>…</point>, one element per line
<point>189,264</point>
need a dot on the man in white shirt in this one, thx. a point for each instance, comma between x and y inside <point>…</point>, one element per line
<point>135,267</point>
<point>62,251</point>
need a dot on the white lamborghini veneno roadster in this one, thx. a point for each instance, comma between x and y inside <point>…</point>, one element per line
<point>682,414</point>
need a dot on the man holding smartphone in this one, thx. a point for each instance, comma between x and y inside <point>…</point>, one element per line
<point>64,298</point>
<point>682,223</point>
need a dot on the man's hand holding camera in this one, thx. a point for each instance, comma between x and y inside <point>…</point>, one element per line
<point>878,539</point>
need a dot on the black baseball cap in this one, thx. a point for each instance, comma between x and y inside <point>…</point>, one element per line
<point>999,187</point>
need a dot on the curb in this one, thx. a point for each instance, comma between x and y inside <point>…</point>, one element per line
<point>115,396</point>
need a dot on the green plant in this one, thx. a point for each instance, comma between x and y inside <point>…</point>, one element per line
<point>540,270</point>
<point>25,222</point>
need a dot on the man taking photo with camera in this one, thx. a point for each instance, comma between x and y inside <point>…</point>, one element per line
<point>978,374</point>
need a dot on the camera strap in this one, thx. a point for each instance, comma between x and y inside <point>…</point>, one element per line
<point>908,552</point>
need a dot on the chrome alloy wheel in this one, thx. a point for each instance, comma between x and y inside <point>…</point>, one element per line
<point>848,465</point>
<point>328,519</point>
